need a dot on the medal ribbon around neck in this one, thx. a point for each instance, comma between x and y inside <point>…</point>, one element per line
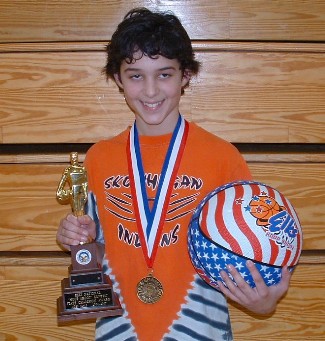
<point>150,222</point>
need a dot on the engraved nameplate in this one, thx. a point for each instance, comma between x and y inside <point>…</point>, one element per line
<point>88,299</point>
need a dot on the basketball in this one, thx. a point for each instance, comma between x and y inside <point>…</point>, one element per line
<point>240,221</point>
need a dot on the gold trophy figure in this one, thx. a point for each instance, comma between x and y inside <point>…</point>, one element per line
<point>87,293</point>
<point>76,177</point>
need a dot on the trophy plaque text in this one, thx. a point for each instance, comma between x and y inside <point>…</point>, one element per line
<point>87,293</point>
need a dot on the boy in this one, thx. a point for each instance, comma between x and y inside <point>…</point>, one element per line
<point>144,184</point>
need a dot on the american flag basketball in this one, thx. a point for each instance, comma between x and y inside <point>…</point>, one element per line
<point>244,220</point>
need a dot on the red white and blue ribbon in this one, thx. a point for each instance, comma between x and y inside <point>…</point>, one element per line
<point>150,221</point>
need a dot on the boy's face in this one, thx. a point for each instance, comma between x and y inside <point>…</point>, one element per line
<point>152,89</point>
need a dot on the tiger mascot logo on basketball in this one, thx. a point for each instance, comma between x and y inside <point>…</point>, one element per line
<point>273,217</point>
<point>263,207</point>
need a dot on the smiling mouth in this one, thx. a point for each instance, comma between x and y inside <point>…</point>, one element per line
<point>152,105</point>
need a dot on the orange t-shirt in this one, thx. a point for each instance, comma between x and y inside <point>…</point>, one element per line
<point>207,163</point>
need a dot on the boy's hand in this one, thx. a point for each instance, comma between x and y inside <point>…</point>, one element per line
<point>262,299</point>
<point>75,230</point>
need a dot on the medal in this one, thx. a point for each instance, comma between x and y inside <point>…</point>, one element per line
<point>150,222</point>
<point>149,289</point>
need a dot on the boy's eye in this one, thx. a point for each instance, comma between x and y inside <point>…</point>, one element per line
<point>164,75</point>
<point>135,76</point>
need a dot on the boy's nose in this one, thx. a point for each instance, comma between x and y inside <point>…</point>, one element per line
<point>151,88</point>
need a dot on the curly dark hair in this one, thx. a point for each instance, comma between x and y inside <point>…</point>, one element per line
<point>153,34</point>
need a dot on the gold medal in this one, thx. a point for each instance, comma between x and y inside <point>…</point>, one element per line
<point>149,289</point>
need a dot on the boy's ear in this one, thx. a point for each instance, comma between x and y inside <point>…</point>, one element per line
<point>186,77</point>
<point>118,82</point>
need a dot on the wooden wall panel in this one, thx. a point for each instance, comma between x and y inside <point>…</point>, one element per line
<point>22,318</point>
<point>30,20</point>
<point>30,213</point>
<point>261,96</point>
<point>65,69</point>
<point>277,20</point>
<point>29,210</point>
<point>304,185</point>
<point>242,96</point>
<point>295,315</point>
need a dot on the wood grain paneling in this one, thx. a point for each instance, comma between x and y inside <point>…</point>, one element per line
<point>242,96</point>
<point>31,293</point>
<point>30,191</point>
<point>304,186</point>
<point>277,20</point>
<point>261,97</point>
<point>30,20</point>
<point>295,315</point>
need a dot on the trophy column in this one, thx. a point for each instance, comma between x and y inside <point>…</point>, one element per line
<point>87,293</point>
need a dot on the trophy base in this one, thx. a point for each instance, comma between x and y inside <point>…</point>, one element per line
<point>86,302</point>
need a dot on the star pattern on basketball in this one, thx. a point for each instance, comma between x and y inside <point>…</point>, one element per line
<point>212,259</point>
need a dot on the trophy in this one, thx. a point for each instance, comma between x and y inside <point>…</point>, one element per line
<point>88,292</point>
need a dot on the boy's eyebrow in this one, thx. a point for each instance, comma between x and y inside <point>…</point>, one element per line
<point>139,69</point>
